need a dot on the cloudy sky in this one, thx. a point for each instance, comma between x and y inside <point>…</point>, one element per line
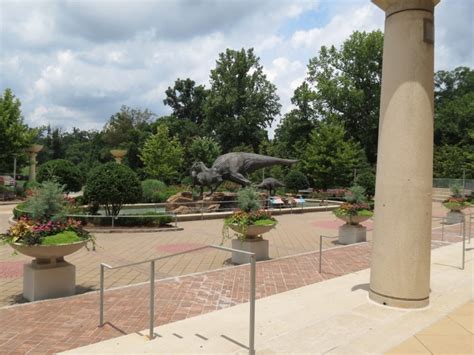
<point>74,63</point>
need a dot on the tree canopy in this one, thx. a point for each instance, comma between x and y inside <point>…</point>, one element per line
<point>242,102</point>
<point>162,156</point>
<point>15,135</point>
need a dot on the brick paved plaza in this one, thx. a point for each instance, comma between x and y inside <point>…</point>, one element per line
<point>72,322</point>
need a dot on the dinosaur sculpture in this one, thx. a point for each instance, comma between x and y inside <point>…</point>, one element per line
<point>233,167</point>
<point>270,184</point>
<point>203,176</point>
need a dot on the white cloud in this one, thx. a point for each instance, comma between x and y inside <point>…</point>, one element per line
<point>75,63</point>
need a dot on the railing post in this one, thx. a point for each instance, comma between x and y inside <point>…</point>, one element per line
<point>101,296</point>
<point>442,229</point>
<point>463,242</point>
<point>252,305</point>
<point>152,299</point>
<point>320,252</point>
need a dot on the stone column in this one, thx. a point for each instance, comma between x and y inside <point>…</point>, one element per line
<point>400,270</point>
<point>33,152</point>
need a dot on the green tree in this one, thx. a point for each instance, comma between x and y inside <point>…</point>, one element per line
<point>346,87</point>
<point>112,185</point>
<point>162,156</point>
<point>454,106</point>
<point>241,102</point>
<point>63,172</point>
<point>205,149</point>
<point>450,160</point>
<point>187,100</point>
<point>330,157</point>
<point>296,180</point>
<point>14,133</point>
<point>128,129</point>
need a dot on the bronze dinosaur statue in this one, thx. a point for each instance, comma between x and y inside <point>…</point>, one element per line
<point>233,167</point>
<point>205,177</point>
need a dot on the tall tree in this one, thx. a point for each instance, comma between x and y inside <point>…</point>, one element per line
<point>14,133</point>
<point>128,129</point>
<point>294,129</point>
<point>187,100</point>
<point>454,106</point>
<point>346,86</point>
<point>241,102</point>
<point>330,157</point>
<point>162,156</point>
<point>204,149</point>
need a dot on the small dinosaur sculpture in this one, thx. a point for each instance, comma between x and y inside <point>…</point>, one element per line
<point>270,184</point>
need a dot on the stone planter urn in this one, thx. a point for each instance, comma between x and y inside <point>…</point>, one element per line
<point>352,231</point>
<point>48,275</point>
<point>33,151</point>
<point>252,242</point>
<point>118,155</point>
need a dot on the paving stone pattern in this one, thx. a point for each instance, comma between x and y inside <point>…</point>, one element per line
<point>58,325</point>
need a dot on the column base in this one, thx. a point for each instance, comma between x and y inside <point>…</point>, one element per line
<point>398,302</point>
<point>40,283</point>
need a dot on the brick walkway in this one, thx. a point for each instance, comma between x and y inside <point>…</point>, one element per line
<point>58,325</point>
<point>294,234</point>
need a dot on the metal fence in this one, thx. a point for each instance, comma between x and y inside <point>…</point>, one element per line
<point>125,220</point>
<point>446,183</point>
<point>252,290</point>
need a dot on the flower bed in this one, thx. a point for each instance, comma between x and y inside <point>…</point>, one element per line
<point>456,203</point>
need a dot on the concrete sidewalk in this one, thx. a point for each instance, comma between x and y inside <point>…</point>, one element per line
<point>334,316</point>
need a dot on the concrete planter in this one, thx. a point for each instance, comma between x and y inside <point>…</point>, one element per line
<point>48,275</point>
<point>253,242</point>
<point>352,233</point>
<point>454,216</point>
<point>251,231</point>
<point>353,219</point>
<point>48,254</point>
<point>258,246</point>
<point>456,208</point>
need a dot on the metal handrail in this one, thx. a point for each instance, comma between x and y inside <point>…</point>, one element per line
<point>252,290</point>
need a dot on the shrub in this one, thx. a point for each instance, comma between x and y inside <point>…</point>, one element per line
<point>152,190</point>
<point>154,219</point>
<point>47,202</point>
<point>366,179</point>
<point>355,194</point>
<point>62,171</point>
<point>296,180</point>
<point>112,185</point>
<point>248,199</point>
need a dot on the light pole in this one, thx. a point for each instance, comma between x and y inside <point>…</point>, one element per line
<point>14,169</point>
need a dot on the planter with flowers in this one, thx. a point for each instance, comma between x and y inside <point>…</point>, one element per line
<point>48,237</point>
<point>249,223</point>
<point>354,211</point>
<point>456,203</point>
